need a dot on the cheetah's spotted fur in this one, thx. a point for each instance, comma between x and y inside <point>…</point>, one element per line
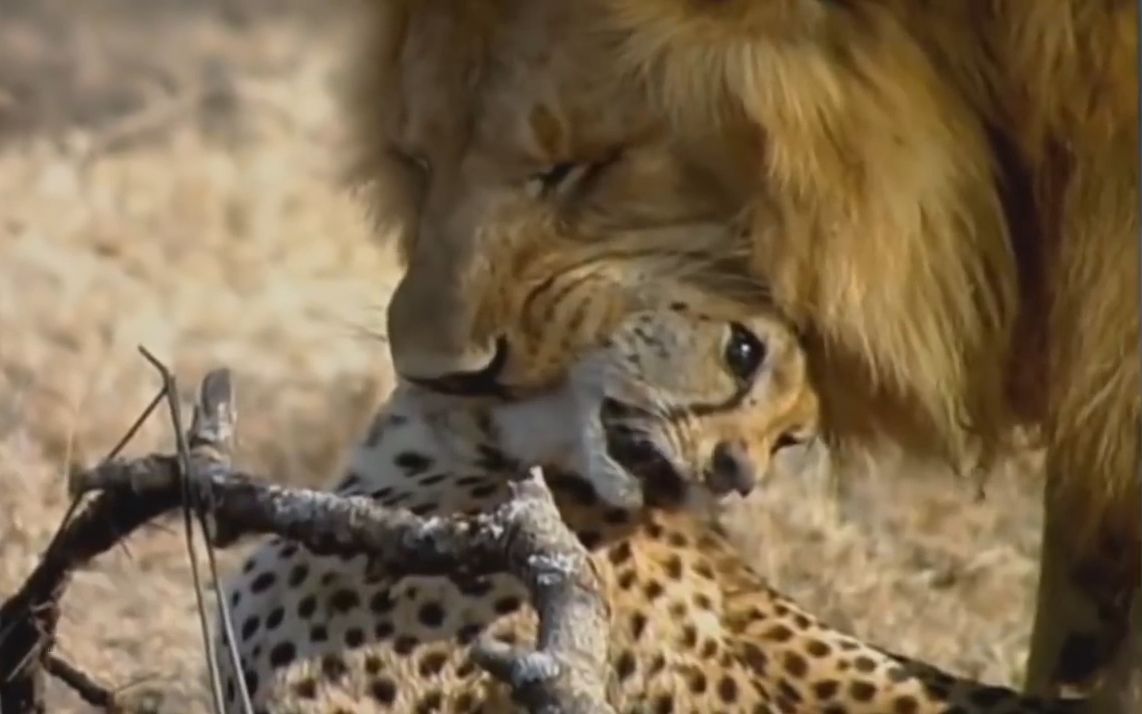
<point>694,628</point>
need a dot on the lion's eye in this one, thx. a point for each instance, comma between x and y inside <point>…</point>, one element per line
<point>744,352</point>
<point>546,182</point>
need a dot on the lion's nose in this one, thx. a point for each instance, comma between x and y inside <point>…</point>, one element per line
<point>731,469</point>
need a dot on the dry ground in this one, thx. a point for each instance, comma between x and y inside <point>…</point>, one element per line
<point>168,177</point>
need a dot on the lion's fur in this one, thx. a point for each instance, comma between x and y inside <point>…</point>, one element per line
<point>941,195</point>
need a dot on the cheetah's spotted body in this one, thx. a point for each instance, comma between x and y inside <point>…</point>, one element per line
<point>694,629</point>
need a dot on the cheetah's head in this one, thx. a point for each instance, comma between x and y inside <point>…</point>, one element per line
<point>677,398</point>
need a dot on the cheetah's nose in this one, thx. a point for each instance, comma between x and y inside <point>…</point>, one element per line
<point>731,469</point>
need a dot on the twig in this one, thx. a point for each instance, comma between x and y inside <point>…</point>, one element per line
<point>189,507</point>
<point>525,536</point>
<point>87,688</point>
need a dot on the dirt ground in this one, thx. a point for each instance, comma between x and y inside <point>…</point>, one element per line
<point>169,177</point>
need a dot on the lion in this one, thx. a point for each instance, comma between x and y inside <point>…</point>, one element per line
<point>942,197</point>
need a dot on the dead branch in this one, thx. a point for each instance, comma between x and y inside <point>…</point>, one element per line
<point>525,536</point>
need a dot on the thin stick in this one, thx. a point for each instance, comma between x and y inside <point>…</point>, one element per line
<point>189,507</point>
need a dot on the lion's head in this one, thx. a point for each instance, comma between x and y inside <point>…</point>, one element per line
<point>495,129</point>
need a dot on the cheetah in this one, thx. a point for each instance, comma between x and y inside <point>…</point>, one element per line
<point>688,403</point>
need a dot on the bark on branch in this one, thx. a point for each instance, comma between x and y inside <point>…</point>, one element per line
<point>565,672</point>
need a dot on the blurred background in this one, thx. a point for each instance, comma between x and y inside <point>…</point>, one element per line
<point>169,176</point>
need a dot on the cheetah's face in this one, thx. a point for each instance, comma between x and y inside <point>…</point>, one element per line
<point>686,399</point>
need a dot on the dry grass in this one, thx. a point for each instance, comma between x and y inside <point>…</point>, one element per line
<point>169,178</point>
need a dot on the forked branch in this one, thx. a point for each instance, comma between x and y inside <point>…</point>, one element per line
<point>525,536</point>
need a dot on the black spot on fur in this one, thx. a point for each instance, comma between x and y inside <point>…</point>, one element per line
<point>282,654</point>
<point>826,689</point>
<point>297,575</point>
<point>333,667</point>
<point>405,644</point>
<point>275,618</point>
<point>496,461</point>
<point>431,614</point>
<point>637,625</point>
<point>467,634</point>
<point>251,678</point>
<point>861,690</point>
<point>381,602</point>
<point>795,664</point>
<point>384,690</point>
<point>757,660</point>
<point>484,491</point>
<point>620,553</point>
<point>625,664</point>
<point>905,704</point>
<point>864,664</point>
<point>412,463</point>
<point>344,601</point>
<point>727,689</point>
<point>787,691</point>
<point>430,702</point>
<point>507,605</point>
<point>249,627</point>
<point>432,663</point>
<point>697,682</point>
<point>778,633</point>
<point>306,607</point>
<point>306,688</point>
<point>263,582</point>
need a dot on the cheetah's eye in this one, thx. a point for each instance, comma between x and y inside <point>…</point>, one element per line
<point>744,352</point>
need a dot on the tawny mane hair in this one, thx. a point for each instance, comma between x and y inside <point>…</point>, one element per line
<point>942,196</point>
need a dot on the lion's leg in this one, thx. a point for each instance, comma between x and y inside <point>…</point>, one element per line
<point>1122,690</point>
<point>1092,552</point>
<point>1081,638</point>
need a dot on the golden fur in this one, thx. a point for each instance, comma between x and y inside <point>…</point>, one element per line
<point>941,196</point>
